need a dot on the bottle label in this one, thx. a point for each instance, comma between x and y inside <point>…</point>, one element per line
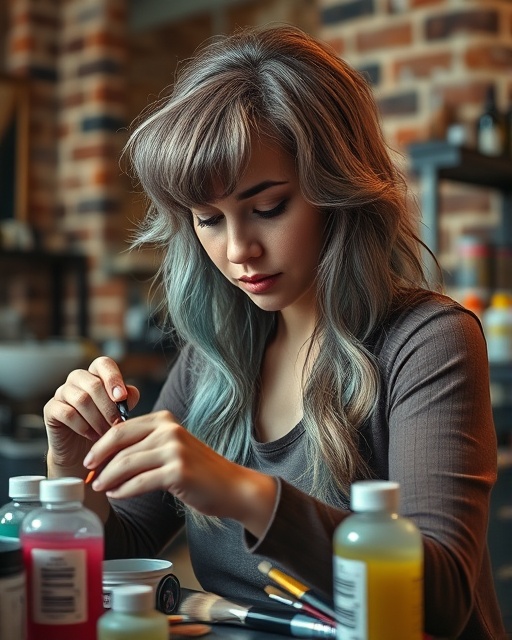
<point>59,586</point>
<point>350,599</point>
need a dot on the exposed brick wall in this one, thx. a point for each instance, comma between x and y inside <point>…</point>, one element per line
<point>416,50</point>
<point>74,55</point>
<point>80,59</point>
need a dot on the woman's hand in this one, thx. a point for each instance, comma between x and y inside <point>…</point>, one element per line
<point>154,452</point>
<point>83,409</point>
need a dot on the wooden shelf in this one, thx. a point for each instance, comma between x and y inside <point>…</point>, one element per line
<point>462,164</point>
<point>434,161</point>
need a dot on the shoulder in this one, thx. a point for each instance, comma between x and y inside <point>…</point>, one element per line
<point>432,324</point>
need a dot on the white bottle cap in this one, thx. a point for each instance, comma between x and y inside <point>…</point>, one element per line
<point>375,495</point>
<point>136,598</point>
<point>25,487</point>
<point>62,490</point>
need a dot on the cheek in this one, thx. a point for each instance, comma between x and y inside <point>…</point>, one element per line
<point>214,250</point>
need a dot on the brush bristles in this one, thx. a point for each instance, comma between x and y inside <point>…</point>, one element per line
<point>209,607</point>
<point>265,566</point>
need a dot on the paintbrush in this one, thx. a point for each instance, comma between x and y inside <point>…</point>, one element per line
<point>302,592</point>
<point>210,608</point>
<point>125,414</point>
<point>285,598</point>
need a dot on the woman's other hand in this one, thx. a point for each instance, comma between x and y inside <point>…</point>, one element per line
<point>154,451</point>
<point>83,409</point>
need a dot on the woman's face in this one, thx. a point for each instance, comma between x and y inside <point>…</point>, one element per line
<point>264,237</point>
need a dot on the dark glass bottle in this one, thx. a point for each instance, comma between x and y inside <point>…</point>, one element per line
<point>491,138</point>
<point>508,132</point>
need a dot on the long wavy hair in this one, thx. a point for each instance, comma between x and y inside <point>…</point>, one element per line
<point>279,82</point>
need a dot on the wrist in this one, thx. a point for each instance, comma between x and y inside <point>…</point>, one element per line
<point>56,470</point>
<point>256,497</point>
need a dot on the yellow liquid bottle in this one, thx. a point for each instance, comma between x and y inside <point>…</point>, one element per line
<point>133,616</point>
<point>378,568</point>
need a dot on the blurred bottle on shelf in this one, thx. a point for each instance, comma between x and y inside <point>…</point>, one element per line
<point>503,268</point>
<point>474,303</point>
<point>508,131</point>
<point>497,323</point>
<point>490,126</point>
<point>442,116</point>
<point>473,273</point>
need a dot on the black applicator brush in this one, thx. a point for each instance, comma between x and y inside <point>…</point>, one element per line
<point>211,608</point>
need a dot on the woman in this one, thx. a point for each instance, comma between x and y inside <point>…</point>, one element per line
<point>313,353</point>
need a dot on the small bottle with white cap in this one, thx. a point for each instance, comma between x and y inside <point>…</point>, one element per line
<point>24,494</point>
<point>133,616</point>
<point>378,567</point>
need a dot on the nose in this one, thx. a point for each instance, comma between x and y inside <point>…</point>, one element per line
<point>242,245</point>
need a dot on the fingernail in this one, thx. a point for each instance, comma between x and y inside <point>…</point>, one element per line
<point>118,393</point>
<point>87,459</point>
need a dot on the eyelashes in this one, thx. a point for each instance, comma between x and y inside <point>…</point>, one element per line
<point>208,222</point>
<point>267,214</point>
<point>272,213</point>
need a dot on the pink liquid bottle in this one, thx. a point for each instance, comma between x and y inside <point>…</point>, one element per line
<point>63,554</point>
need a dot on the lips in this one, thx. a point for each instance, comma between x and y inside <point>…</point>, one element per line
<point>258,283</point>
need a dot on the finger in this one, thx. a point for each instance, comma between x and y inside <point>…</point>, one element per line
<point>109,373</point>
<point>128,465</point>
<point>114,441</point>
<point>86,394</point>
<point>61,415</point>
<point>161,426</point>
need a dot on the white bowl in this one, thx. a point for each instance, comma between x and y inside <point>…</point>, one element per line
<point>34,370</point>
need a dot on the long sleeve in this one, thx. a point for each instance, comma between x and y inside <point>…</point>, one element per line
<point>434,434</point>
<point>144,525</point>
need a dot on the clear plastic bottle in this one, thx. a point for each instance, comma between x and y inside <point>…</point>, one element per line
<point>497,323</point>
<point>63,555</point>
<point>24,494</point>
<point>133,616</point>
<point>378,568</point>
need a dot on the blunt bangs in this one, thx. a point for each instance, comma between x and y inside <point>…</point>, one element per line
<point>185,156</point>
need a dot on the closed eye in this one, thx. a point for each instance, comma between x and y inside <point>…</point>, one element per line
<point>271,213</point>
<point>208,222</point>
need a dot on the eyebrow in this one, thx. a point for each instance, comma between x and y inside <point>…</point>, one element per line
<point>257,188</point>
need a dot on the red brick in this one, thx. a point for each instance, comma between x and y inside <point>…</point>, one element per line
<point>489,56</point>
<point>407,135</point>
<point>446,25</point>
<point>73,182</point>
<point>473,200</point>
<point>63,130</point>
<point>471,92</point>
<point>73,100</point>
<point>422,66</point>
<point>103,93</point>
<point>118,13</point>
<point>103,176</point>
<point>19,19</point>
<point>72,46</point>
<point>94,151</point>
<point>394,36</point>
<point>414,4</point>
<point>105,40</point>
<point>338,44</point>
<point>25,43</point>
